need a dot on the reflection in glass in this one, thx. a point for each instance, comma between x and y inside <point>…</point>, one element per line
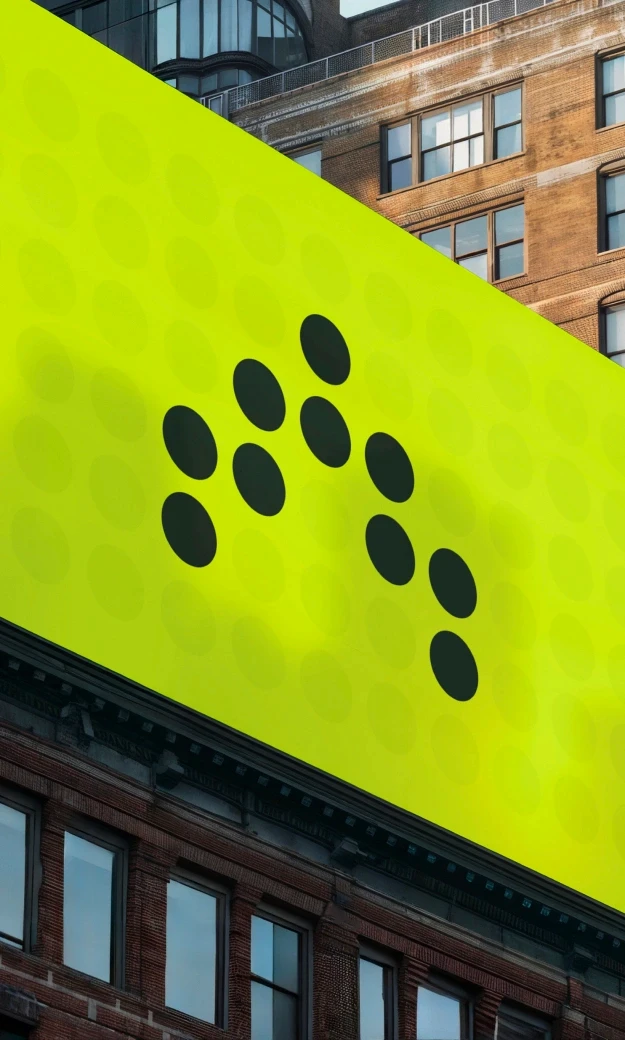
<point>436,163</point>
<point>509,224</point>
<point>400,174</point>
<point>510,260</point>
<point>477,265</point>
<point>439,239</point>
<point>508,107</point>
<point>372,1010</point>
<point>191,966</point>
<point>438,1016</point>
<point>189,34</point>
<point>166,33</point>
<point>615,333</point>
<point>470,236</point>
<point>507,141</point>
<point>614,74</point>
<point>276,959</point>
<point>615,109</point>
<point>311,160</point>
<point>435,130</point>
<point>87,907</point>
<point>12,874</point>
<point>398,142</point>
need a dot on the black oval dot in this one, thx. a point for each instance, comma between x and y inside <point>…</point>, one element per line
<point>259,394</point>
<point>258,479</point>
<point>389,467</point>
<point>190,442</point>
<point>189,529</point>
<point>325,431</point>
<point>325,349</point>
<point>390,549</point>
<point>452,583</point>
<point>454,666</point>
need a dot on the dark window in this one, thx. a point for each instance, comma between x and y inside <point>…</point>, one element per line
<point>613,90</point>
<point>490,245</point>
<point>94,905</point>
<point>444,1011</point>
<point>613,338</point>
<point>19,833</point>
<point>614,209</point>
<point>279,979</point>
<point>196,956</point>
<point>377,988</point>
<point>517,1024</point>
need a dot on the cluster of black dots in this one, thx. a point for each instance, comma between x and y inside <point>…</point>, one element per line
<point>191,445</point>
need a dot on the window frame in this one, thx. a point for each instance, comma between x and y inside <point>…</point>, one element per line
<point>98,834</point>
<point>612,302</point>
<point>604,173</point>
<point>526,1015</point>
<point>307,150</point>
<point>447,987</point>
<point>222,894</point>
<point>600,58</point>
<point>491,247</point>
<point>24,802</point>
<point>304,928</point>
<point>415,120</point>
<point>389,963</point>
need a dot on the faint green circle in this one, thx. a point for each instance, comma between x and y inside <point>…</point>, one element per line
<point>516,780</point>
<point>511,534</point>
<point>191,272</point>
<point>391,633</point>
<point>576,809</point>
<point>508,377</point>
<point>568,489</point>
<point>46,276</point>
<point>455,750</point>
<point>259,565</point>
<point>120,317</point>
<point>187,618</point>
<point>42,454</point>
<point>566,412</point>
<point>115,582</point>
<point>325,599</point>
<point>117,492</point>
<point>614,516</point>
<point>573,726</point>
<point>618,830</point>
<point>570,568</point>
<point>191,357</point>
<point>513,615</point>
<point>258,653</point>
<point>450,421</point>
<point>515,696</point>
<point>389,385</point>
<point>612,427</point>
<point>616,669</point>
<point>118,404</point>
<point>325,268</point>
<point>449,341</point>
<point>122,232</point>
<point>259,311</point>
<point>123,147</point>
<point>510,457</point>
<point>40,545</point>
<point>389,307</point>
<point>49,190</point>
<point>572,647</point>
<point>45,365</point>
<point>51,105</point>
<point>193,191</point>
<point>392,718</point>
<point>617,749</point>
<point>260,229</point>
<point>614,585</point>
<point>451,501</point>
<point>326,686</point>
<point>325,515</point>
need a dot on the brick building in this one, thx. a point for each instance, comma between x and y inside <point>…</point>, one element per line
<point>164,877</point>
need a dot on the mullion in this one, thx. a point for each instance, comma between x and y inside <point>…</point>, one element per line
<point>274,985</point>
<point>13,938</point>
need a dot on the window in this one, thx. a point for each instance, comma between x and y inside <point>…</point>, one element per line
<point>612,75</point>
<point>310,159</point>
<point>491,245</point>
<point>443,1012</point>
<point>377,987</point>
<point>454,138</point>
<point>279,979</point>
<point>94,905</point>
<point>613,338</point>
<point>19,833</point>
<point>196,956</point>
<point>613,236</point>
<point>517,1024</point>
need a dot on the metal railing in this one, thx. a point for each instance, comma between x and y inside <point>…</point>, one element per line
<point>447,27</point>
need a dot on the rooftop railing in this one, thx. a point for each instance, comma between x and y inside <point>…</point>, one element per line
<point>448,27</point>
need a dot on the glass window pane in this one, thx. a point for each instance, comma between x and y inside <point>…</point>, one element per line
<point>311,160</point>
<point>438,1016</point>
<point>510,260</point>
<point>618,358</point>
<point>400,174</point>
<point>436,163</point>
<point>470,236</point>
<point>12,871</point>
<point>208,83</point>
<point>130,40</point>
<point>615,109</point>
<point>262,948</point>
<point>509,224</point>
<point>87,907</point>
<point>435,130</point>
<point>189,28</point>
<point>229,26</point>
<point>467,119</point>
<point>166,33</point>
<point>191,951</point>
<point>262,1012</point>
<point>508,141</point>
<point>461,155</point>
<point>476,150</point>
<point>124,10</point>
<point>398,141</point>
<point>439,239</point>
<point>615,329</point>
<point>476,121</point>
<point>94,18</point>
<point>372,1016</point>
<point>616,231</point>
<point>265,45</point>
<point>286,958</point>
<point>477,265</point>
<point>615,193</point>
<point>284,1016</point>
<point>614,74</point>
<point>210,43</point>
<point>245,25</point>
<point>508,107</point>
